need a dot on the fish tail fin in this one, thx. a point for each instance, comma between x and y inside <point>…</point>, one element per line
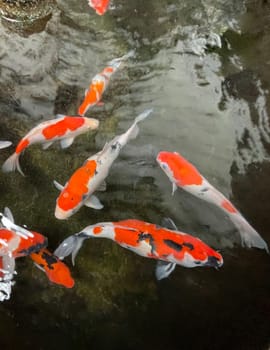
<point>70,245</point>
<point>249,236</point>
<point>116,62</point>
<point>12,164</point>
<point>134,130</point>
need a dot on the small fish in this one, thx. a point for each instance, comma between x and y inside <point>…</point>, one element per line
<point>99,84</point>
<point>100,6</point>
<point>79,189</point>
<point>56,271</point>
<point>184,175</point>
<point>5,144</point>
<point>169,247</point>
<point>63,128</point>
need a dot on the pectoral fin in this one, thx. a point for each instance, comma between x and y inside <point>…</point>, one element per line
<point>46,145</point>
<point>93,202</point>
<point>58,185</point>
<point>164,269</point>
<point>168,223</point>
<point>174,188</point>
<point>8,214</point>
<point>65,143</point>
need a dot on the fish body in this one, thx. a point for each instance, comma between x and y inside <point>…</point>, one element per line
<point>13,246</point>
<point>148,240</point>
<point>100,6</point>
<point>79,189</point>
<point>56,271</point>
<point>99,84</point>
<point>63,129</point>
<point>183,174</point>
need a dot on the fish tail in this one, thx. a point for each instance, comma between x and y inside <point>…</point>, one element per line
<point>249,236</point>
<point>70,245</point>
<point>12,164</point>
<point>117,61</point>
<point>134,129</point>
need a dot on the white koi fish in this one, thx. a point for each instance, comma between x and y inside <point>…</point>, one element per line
<point>184,175</point>
<point>63,129</point>
<point>79,189</point>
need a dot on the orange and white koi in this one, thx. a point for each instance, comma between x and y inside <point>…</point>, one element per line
<point>100,6</point>
<point>63,129</point>
<point>99,84</point>
<point>56,271</point>
<point>5,144</point>
<point>79,189</point>
<point>170,247</point>
<point>184,175</point>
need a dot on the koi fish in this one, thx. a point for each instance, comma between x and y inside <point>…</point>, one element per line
<point>63,128</point>
<point>99,84</point>
<point>79,189</point>
<point>184,175</point>
<point>5,144</point>
<point>169,247</point>
<point>100,6</point>
<point>56,271</point>
<point>13,246</point>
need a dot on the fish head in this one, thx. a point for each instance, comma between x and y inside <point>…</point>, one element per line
<point>91,123</point>
<point>166,162</point>
<point>204,255</point>
<point>67,204</point>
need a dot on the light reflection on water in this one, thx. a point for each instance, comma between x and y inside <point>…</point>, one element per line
<point>116,301</point>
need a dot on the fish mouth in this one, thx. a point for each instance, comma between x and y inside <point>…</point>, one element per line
<point>61,214</point>
<point>214,261</point>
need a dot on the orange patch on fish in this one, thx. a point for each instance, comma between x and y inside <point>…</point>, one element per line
<point>97,230</point>
<point>92,97</point>
<point>227,205</point>
<point>55,269</point>
<point>61,127</point>
<point>76,188</point>
<point>125,236</point>
<point>183,172</point>
<point>6,234</point>
<point>22,145</point>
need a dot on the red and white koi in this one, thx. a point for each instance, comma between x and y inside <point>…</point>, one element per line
<point>63,129</point>
<point>99,84</point>
<point>184,175</point>
<point>15,244</point>
<point>5,144</point>
<point>100,6</point>
<point>79,189</point>
<point>170,247</point>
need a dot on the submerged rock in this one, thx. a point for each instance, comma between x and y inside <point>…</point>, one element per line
<point>26,16</point>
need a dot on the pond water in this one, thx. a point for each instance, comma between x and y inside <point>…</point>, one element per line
<point>210,104</point>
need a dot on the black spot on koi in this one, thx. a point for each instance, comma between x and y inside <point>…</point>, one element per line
<point>175,246</point>
<point>50,260</point>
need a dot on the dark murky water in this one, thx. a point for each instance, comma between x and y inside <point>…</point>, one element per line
<point>213,108</point>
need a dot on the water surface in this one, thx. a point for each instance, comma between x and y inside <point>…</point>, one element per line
<point>210,105</point>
